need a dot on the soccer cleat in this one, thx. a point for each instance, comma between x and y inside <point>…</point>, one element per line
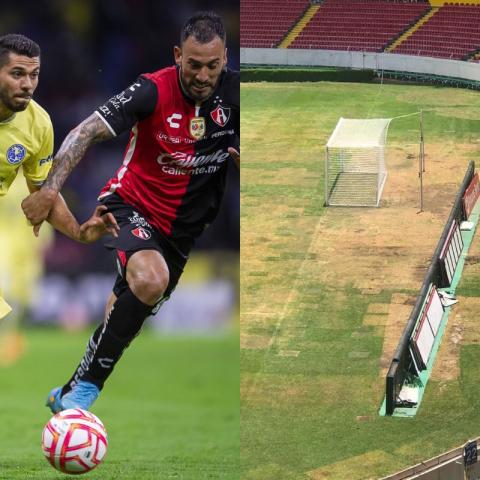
<point>54,400</point>
<point>82,395</point>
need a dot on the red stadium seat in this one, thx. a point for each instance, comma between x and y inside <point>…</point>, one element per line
<point>452,32</point>
<point>364,25</point>
<point>276,18</point>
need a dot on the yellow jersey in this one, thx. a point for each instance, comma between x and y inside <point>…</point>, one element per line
<point>26,140</point>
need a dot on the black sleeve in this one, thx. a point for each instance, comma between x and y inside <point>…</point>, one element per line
<point>135,103</point>
<point>232,81</point>
<point>232,89</point>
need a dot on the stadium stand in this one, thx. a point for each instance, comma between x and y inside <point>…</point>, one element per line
<point>452,32</point>
<point>404,27</point>
<point>365,25</point>
<point>264,23</point>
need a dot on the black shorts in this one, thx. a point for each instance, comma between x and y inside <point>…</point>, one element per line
<point>137,234</point>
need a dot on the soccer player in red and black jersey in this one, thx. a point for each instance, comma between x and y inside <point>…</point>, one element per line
<point>184,133</point>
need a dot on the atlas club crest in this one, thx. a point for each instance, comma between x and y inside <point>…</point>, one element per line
<point>141,233</point>
<point>220,115</point>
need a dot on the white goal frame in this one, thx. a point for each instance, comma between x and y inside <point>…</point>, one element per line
<point>355,166</point>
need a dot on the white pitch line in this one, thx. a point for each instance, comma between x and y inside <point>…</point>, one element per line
<point>293,289</point>
<point>289,353</point>
<point>286,305</point>
<point>258,313</point>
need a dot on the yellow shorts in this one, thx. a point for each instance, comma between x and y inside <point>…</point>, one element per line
<point>4,308</point>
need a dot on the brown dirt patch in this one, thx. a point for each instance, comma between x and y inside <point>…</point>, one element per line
<point>398,314</point>
<point>353,468</point>
<point>446,367</point>
<point>371,291</point>
<point>390,247</point>
<point>254,342</point>
<point>270,471</point>
<point>466,315</point>
<point>472,262</point>
<point>373,320</point>
<point>378,308</point>
<point>462,329</point>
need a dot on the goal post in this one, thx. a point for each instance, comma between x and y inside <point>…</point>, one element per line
<point>355,167</point>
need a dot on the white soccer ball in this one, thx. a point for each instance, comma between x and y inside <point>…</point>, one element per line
<point>74,441</point>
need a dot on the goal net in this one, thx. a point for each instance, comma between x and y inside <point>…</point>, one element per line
<point>355,170</point>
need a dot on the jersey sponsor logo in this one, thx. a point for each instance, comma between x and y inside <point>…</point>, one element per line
<point>105,362</point>
<point>221,115</point>
<point>86,360</point>
<point>161,136</point>
<point>209,169</point>
<point>221,133</point>
<point>105,110</point>
<point>197,127</point>
<point>118,100</point>
<point>181,159</point>
<point>45,160</point>
<point>141,233</point>
<point>171,120</point>
<point>133,86</point>
<point>16,153</point>
<point>138,220</point>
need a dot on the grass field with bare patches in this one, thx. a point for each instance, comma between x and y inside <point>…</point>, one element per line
<point>325,293</point>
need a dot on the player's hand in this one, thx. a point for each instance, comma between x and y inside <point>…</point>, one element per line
<point>37,206</point>
<point>99,224</point>
<point>235,154</point>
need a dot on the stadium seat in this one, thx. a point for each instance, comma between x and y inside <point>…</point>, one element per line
<point>280,16</point>
<point>452,32</point>
<point>366,25</point>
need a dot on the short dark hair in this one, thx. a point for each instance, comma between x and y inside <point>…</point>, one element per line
<point>203,26</point>
<point>19,44</point>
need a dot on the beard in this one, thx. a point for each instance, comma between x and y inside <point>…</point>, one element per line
<point>11,104</point>
<point>201,97</point>
<point>197,96</point>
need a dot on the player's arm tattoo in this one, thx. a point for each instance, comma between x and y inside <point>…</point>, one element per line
<point>92,130</point>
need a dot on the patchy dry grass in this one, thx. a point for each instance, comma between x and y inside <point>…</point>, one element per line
<point>326,293</point>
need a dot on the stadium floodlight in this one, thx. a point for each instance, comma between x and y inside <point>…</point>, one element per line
<point>355,170</point>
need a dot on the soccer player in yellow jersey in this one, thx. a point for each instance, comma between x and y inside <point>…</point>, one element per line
<point>26,140</point>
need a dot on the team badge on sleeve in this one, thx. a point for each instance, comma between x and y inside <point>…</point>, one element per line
<point>16,153</point>
<point>221,115</point>
<point>197,127</point>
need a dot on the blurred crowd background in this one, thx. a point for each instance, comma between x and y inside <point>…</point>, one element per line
<point>91,50</point>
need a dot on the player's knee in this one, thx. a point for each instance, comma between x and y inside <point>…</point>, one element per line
<point>149,286</point>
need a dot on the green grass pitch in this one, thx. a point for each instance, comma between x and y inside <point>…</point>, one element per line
<point>310,384</point>
<point>171,407</point>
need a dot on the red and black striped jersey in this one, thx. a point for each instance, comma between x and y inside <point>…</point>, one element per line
<point>175,162</point>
